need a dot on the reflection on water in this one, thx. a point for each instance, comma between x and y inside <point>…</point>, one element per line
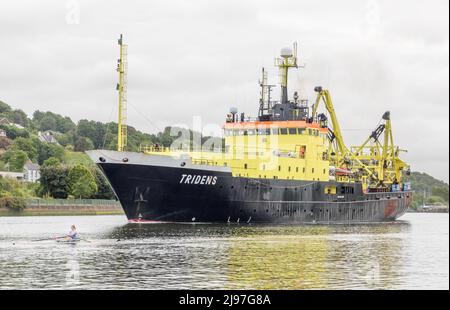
<point>408,254</point>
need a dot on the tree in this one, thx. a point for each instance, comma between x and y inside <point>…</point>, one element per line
<point>95,131</point>
<point>47,123</point>
<point>19,117</point>
<point>51,121</point>
<point>51,162</point>
<point>4,108</point>
<point>26,145</point>
<point>83,144</point>
<point>441,191</point>
<point>47,150</point>
<point>104,189</point>
<point>54,182</point>
<point>81,182</point>
<point>16,159</point>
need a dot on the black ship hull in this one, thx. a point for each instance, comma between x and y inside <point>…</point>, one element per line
<point>162,188</point>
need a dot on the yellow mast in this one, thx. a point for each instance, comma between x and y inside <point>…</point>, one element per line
<point>122,67</point>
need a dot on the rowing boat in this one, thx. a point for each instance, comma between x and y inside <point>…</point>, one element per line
<point>68,241</point>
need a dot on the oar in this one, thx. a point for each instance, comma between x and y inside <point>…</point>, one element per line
<point>47,239</point>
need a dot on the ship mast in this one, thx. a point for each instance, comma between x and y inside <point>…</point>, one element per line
<point>122,68</point>
<point>288,60</point>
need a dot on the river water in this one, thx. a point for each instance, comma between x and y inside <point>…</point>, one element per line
<point>412,253</point>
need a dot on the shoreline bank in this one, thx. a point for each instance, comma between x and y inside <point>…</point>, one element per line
<point>55,207</point>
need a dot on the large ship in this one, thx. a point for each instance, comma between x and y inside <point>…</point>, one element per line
<point>287,165</point>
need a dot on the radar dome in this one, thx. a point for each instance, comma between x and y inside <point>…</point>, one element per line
<point>286,52</point>
<point>233,110</point>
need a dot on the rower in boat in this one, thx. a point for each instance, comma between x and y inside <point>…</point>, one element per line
<point>73,234</point>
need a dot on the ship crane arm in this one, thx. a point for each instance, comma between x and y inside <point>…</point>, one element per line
<point>324,95</point>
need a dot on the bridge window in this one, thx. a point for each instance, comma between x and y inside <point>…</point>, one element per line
<point>296,169</point>
<point>292,131</point>
<point>283,131</point>
<point>312,170</point>
<point>274,131</point>
<point>301,131</point>
<point>251,132</point>
<point>245,166</point>
<point>289,169</point>
<point>263,131</point>
<point>279,168</point>
<point>304,169</point>
<point>310,132</point>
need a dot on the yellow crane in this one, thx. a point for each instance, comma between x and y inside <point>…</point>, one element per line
<point>324,95</point>
<point>122,68</point>
<point>375,163</point>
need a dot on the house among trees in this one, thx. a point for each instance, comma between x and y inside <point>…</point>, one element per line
<point>2,133</point>
<point>31,172</point>
<point>7,122</point>
<point>47,136</point>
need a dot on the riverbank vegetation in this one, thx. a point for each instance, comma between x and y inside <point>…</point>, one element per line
<point>428,190</point>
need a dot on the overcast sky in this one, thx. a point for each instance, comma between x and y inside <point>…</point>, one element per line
<point>199,58</point>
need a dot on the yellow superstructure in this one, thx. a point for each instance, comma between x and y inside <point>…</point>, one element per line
<point>288,142</point>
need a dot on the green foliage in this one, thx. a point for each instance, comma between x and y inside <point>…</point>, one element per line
<point>94,131</point>
<point>83,144</point>
<point>81,182</point>
<point>51,121</point>
<point>16,159</point>
<point>4,108</point>
<point>441,192</point>
<point>104,190</point>
<point>14,188</point>
<point>436,200</point>
<point>27,145</point>
<point>13,203</point>
<point>66,139</point>
<point>13,132</point>
<point>47,123</point>
<point>14,116</point>
<point>54,182</point>
<point>74,158</point>
<point>47,150</point>
<point>51,162</point>
<point>428,190</point>
<point>19,117</point>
